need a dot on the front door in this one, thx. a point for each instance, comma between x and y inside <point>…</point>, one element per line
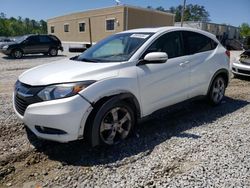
<point>164,84</point>
<point>31,45</point>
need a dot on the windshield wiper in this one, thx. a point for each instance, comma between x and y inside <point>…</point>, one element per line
<point>87,60</point>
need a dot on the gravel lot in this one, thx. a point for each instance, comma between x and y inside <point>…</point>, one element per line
<point>190,145</point>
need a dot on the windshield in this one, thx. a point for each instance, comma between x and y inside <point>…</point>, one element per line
<point>116,48</point>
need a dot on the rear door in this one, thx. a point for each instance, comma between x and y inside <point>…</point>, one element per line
<point>166,83</point>
<point>45,43</point>
<point>200,52</point>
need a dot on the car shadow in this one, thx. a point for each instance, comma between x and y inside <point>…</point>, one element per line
<point>158,128</point>
<point>35,56</point>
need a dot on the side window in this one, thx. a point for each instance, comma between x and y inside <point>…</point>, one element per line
<point>44,39</point>
<point>52,29</point>
<point>66,27</point>
<point>32,40</point>
<point>81,27</point>
<point>110,25</point>
<point>169,43</point>
<point>196,43</point>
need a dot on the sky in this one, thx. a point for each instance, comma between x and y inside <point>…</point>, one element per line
<point>233,12</point>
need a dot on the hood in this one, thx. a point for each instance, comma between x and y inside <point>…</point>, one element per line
<point>2,44</point>
<point>66,70</point>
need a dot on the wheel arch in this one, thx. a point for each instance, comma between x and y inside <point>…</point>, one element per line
<point>222,72</point>
<point>17,48</point>
<point>127,97</point>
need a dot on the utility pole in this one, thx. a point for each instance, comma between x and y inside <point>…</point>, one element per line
<point>182,13</point>
<point>90,33</point>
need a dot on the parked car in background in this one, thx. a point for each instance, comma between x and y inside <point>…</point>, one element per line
<point>101,94</point>
<point>233,44</point>
<point>5,41</point>
<point>241,66</point>
<point>33,44</point>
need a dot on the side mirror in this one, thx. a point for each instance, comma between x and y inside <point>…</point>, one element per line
<point>156,57</point>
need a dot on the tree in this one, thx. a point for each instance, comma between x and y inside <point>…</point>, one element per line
<point>244,30</point>
<point>191,13</point>
<point>160,8</point>
<point>18,26</point>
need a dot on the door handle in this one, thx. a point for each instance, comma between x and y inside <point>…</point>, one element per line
<point>184,64</point>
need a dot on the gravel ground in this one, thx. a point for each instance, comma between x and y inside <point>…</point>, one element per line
<point>190,145</point>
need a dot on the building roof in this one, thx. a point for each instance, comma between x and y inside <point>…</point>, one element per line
<point>117,6</point>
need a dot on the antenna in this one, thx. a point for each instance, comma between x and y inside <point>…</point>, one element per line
<point>118,2</point>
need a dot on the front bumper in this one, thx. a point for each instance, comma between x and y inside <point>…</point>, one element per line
<point>241,69</point>
<point>5,51</point>
<point>67,116</point>
<point>61,48</point>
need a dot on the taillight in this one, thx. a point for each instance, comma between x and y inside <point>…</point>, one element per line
<point>227,52</point>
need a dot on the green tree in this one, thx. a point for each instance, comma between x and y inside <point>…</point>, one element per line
<point>244,30</point>
<point>160,8</point>
<point>18,26</point>
<point>191,13</point>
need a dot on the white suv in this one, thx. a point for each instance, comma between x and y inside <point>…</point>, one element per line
<point>101,94</point>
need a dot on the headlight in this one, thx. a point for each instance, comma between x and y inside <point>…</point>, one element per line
<point>63,90</point>
<point>5,47</point>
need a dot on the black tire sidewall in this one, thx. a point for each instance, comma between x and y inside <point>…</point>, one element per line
<point>95,137</point>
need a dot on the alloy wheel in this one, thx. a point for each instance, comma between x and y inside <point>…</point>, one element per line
<point>115,125</point>
<point>218,90</point>
<point>18,54</point>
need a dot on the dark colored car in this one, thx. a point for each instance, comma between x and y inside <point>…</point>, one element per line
<point>5,41</point>
<point>33,44</point>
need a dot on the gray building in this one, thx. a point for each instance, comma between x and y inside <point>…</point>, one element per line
<point>220,30</point>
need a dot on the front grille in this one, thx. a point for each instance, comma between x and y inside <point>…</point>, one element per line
<point>245,63</point>
<point>20,105</point>
<point>243,71</point>
<point>24,96</point>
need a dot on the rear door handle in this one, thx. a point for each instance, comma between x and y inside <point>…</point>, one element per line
<point>184,64</point>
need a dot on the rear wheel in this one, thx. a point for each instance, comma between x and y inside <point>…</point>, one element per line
<point>18,54</point>
<point>112,123</point>
<point>217,90</point>
<point>53,52</point>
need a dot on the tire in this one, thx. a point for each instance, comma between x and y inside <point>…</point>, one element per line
<point>217,90</point>
<point>17,53</point>
<point>113,122</point>
<point>53,52</point>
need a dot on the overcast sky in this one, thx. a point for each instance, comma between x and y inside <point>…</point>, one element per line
<point>233,12</point>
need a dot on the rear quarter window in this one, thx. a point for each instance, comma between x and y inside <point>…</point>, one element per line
<point>196,43</point>
<point>44,39</point>
<point>54,38</point>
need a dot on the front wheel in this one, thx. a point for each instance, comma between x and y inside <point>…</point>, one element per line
<point>113,123</point>
<point>18,54</point>
<point>217,90</point>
